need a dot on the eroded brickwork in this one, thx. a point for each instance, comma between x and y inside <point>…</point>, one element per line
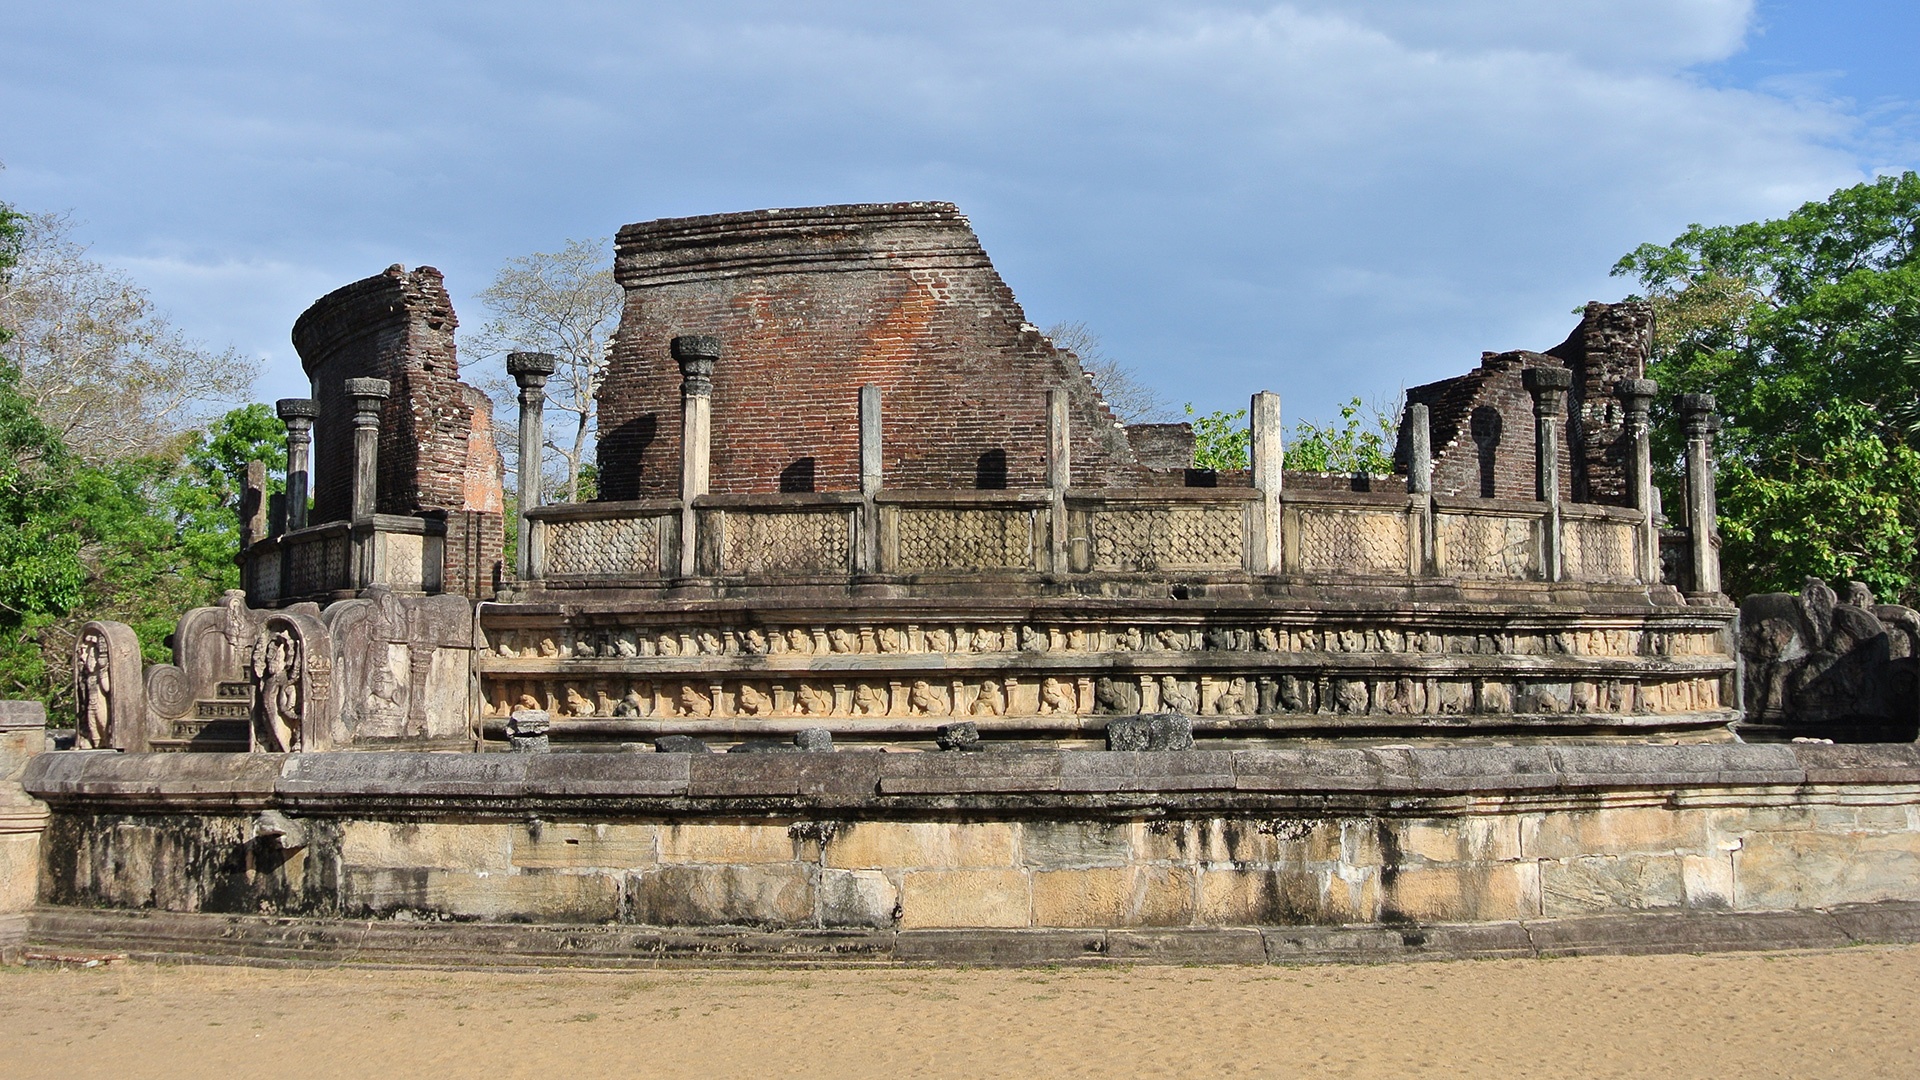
<point>436,433</point>
<point>1482,422</point>
<point>810,305</point>
<point>1611,343</point>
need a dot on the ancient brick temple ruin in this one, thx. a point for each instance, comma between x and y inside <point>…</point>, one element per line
<point>859,518</point>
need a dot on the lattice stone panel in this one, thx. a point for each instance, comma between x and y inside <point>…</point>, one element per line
<point>1484,546</point>
<point>1597,551</point>
<point>624,546</point>
<point>1177,538</point>
<point>1355,541</point>
<point>759,542</point>
<point>317,566</point>
<point>965,539</point>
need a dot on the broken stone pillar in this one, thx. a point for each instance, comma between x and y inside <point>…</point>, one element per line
<point>530,371</point>
<point>868,553</point>
<point>1636,399</point>
<point>696,354</point>
<point>1269,457</point>
<point>1698,420</point>
<point>298,414</point>
<point>1059,476</point>
<point>1549,386</point>
<point>529,731</point>
<point>1420,476</point>
<point>253,506</point>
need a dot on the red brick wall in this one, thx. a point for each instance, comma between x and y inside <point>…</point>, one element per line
<point>1451,404</point>
<point>811,304</point>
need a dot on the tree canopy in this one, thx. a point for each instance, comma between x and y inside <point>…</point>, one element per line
<point>135,525</point>
<point>1804,328</point>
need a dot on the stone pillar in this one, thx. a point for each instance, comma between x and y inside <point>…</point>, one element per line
<point>1636,400</point>
<point>1269,458</point>
<point>1059,477</point>
<point>23,736</point>
<point>367,394</point>
<point>696,354</point>
<point>298,414</point>
<point>1420,476</point>
<point>868,551</point>
<point>1698,420</point>
<point>530,371</point>
<point>1549,386</point>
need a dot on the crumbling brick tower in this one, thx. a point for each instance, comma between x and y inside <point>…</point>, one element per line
<point>1482,422</point>
<point>810,305</point>
<point>437,454</point>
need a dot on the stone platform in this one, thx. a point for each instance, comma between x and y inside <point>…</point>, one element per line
<point>891,851</point>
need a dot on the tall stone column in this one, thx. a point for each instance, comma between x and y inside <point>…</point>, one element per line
<point>1420,476</point>
<point>530,371</point>
<point>1699,422</point>
<point>1636,400</point>
<point>868,552</point>
<point>1269,471</point>
<point>696,354</point>
<point>1059,477</point>
<point>1549,386</point>
<point>298,414</point>
<point>367,394</point>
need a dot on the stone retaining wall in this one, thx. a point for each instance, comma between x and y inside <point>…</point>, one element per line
<point>885,841</point>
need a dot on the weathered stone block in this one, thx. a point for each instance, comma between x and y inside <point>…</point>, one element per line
<point>1812,869</point>
<point>576,846</point>
<point>1260,898</point>
<point>1619,830</point>
<point>1708,881</point>
<point>1463,894</point>
<point>726,842</point>
<point>544,897</point>
<point>1115,896</point>
<point>932,898</point>
<point>775,895</point>
<point>857,898</point>
<point>1060,845</point>
<point>1600,884</point>
<point>893,845</point>
<point>1486,838</point>
<point>409,845</point>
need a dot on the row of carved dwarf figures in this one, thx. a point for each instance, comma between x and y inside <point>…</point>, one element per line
<point>110,701</point>
<point>580,643</point>
<point>1000,696</point>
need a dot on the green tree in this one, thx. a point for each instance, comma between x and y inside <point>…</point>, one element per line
<point>1220,439</point>
<point>1803,328</point>
<point>1353,444</point>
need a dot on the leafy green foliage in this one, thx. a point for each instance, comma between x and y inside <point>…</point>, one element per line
<point>1802,328</point>
<point>1351,445</point>
<point>1220,439</point>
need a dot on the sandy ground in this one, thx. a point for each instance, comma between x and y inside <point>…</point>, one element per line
<point>1837,1014</point>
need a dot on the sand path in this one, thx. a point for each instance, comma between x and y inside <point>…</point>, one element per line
<point>1836,1014</point>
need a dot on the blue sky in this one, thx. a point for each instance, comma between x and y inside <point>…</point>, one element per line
<point>1321,198</point>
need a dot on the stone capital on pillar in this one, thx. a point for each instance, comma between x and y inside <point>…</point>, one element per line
<point>1697,415</point>
<point>1549,386</point>
<point>530,369</point>
<point>696,354</point>
<point>1636,396</point>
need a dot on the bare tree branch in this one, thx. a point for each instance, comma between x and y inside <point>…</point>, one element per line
<point>1132,401</point>
<point>565,303</point>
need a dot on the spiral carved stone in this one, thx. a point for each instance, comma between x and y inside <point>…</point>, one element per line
<point>169,691</point>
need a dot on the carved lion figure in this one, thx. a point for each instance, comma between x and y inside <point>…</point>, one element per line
<point>927,699</point>
<point>693,702</point>
<point>754,702</point>
<point>1057,697</point>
